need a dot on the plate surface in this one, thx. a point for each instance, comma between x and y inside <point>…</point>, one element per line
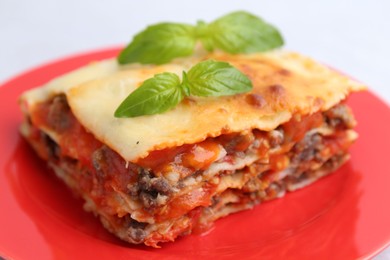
<point>343,216</point>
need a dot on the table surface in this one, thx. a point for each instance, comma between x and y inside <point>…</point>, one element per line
<point>352,36</point>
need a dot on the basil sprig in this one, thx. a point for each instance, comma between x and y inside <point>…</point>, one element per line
<point>164,91</point>
<point>238,32</point>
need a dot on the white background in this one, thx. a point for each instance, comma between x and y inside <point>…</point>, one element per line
<point>352,36</point>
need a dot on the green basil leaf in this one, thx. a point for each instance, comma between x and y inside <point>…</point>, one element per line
<point>164,91</point>
<point>202,33</point>
<point>159,44</point>
<point>155,95</point>
<point>242,32</point>
<point>213,78</point>
<point>238,32</point>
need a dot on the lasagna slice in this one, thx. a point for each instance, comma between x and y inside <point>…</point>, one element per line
<point>151,179</point>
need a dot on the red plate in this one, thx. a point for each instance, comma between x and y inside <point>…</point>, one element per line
<point>345,215</point>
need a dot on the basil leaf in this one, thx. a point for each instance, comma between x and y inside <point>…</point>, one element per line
<point>202,33</point>
<point>213,78</point>
<point>164,91</point>
<point>238,32</point>
<point>160,44</point>
<point>155,95</point>
<point>241,32</point>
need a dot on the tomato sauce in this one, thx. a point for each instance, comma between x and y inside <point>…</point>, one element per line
<point>296,128</point>
<point>75,142</point>
<point>182,204</point>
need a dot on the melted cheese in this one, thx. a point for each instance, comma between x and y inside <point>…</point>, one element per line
<point>284,83</point>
